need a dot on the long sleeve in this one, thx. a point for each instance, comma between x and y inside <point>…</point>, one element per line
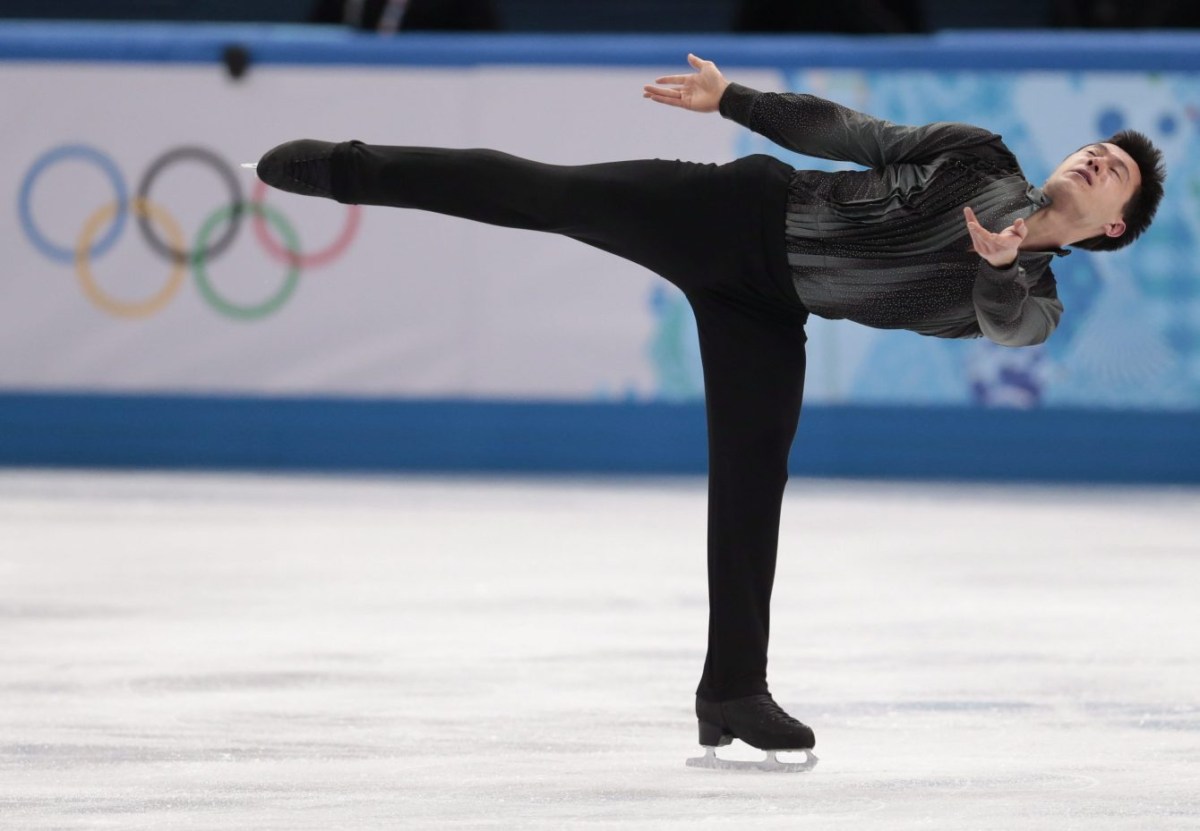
<point>1013,307</point>
<point>823,129</point>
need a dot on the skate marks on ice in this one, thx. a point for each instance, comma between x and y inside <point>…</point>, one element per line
<point>315,653</point>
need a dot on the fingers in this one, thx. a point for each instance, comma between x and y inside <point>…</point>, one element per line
<point>663,91</point>
<point>682,79</point>
<point>673,100</point>
<point>978,232</point>
<point>974,228</point>
<point>981,238</point>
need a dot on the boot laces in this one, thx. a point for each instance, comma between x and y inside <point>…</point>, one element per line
<point>771,711</point>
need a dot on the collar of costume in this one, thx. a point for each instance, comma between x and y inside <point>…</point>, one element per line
<point>1039,198</point>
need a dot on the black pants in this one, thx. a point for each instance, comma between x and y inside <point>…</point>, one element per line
<point>716,232</point>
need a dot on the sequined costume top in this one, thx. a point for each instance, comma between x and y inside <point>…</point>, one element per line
<point>888,246</point>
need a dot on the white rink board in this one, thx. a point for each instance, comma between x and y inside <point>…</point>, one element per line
<point>417,305</point>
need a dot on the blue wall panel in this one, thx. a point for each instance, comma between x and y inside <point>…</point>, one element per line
<point>525,437</point>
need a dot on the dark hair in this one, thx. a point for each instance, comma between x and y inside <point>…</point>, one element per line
<point>1139,211</point>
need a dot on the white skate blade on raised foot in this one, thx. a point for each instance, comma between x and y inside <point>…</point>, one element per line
<point>712,761</point>
<point>250,165</point>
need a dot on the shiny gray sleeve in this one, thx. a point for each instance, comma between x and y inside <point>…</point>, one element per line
<point>823,129</point>
<point>1013,307</point>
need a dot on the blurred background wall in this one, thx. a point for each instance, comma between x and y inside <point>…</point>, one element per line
<point>147,320</point>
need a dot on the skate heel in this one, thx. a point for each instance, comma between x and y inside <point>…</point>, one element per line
<point>711,735</point>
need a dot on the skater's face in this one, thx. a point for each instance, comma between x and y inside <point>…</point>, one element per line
<point>1092,187</point>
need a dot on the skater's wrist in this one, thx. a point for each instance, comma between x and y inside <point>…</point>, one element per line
<point>736,102</point>
<point>1001,262</point>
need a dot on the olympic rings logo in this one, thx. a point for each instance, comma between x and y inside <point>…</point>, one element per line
<point>164,237</point>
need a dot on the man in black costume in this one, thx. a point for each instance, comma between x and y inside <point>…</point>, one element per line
<point>757,246</point>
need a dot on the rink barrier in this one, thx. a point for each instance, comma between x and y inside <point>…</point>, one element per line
<point>462,436</point>
<point>325,45</point>
<point>468,436</point>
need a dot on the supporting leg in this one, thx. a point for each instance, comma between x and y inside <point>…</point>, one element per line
<point>754,379</point>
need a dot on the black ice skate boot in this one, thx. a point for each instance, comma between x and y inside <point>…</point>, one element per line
<point>758,721</point>
<point>301,167</point>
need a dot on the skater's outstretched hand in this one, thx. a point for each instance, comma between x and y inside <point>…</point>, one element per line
<point>699,92</point>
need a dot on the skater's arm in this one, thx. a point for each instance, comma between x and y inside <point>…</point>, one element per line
<point>827,130</point>
<point>1013,307</point>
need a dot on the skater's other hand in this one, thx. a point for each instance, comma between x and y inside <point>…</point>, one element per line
<point>699,92</point>
<point>1000,250</point>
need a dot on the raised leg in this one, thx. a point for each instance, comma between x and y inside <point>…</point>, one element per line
<point>690,223</point>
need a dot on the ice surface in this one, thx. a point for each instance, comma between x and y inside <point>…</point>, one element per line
<point>222,651</point>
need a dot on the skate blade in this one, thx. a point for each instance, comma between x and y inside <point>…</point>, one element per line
<point>250,165</point>
<point>712,761</point>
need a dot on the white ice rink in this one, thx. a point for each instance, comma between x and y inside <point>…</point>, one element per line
<point>213,651</point>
